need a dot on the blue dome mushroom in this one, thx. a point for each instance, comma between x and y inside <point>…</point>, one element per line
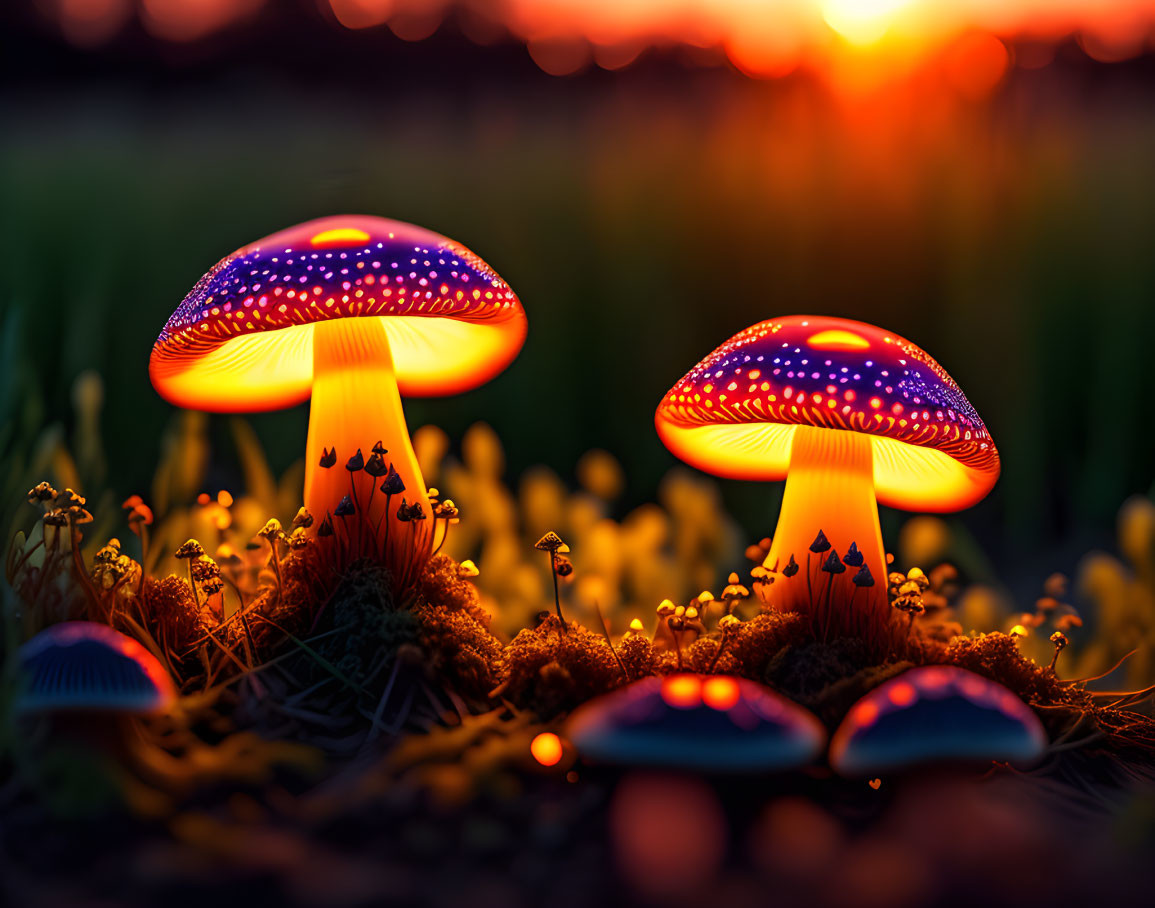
<point>712,723</point>
<point>936,714</point>
<point>84,666</point>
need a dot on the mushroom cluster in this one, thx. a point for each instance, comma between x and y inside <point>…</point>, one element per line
<point>349,313</point>
<point>850,415</point>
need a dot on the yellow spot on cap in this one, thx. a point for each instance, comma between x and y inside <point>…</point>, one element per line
<point>340,236</point>
<point>838,339</point>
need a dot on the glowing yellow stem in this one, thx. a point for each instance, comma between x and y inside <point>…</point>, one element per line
<point>356,403</point>
<point>830,487</point>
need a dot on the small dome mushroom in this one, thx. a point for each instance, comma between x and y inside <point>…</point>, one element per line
<point>713,723</point>
<point>350,313</point>
<point>80,665</point>
<point>937,713</point>
<point>849,415</point>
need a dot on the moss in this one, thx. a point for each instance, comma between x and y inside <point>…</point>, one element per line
<point>308,583</point>
<point>442,583</point>
<point>637,654</point>
<point>828,677</point>
<point>998,657</point>
<point>361,610</point>
<point>755,642</point>
<point>173,615</point>
<point>550,671</point>
<point>461,652</point>
<point>453,631</point>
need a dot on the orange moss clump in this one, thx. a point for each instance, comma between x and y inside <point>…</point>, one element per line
<point>453,630</point>
<point>442,583</point>
<point>752,644</point>
<point>998,657</point>
<point>637,654</point>
<point>551,669</point>
<point>173,617</point>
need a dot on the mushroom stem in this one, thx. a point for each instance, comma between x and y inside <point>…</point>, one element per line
<point>830,487</point>
<point>355,402</point>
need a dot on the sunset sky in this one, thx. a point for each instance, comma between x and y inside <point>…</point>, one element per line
<point>764,38</point>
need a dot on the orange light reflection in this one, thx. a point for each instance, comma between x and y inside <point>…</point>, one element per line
<point>855,44</point>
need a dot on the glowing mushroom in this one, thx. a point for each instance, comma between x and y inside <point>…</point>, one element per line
<point>849,415</point>
<point>348,312</point>
<point>714,723</point>
<point>83,666</point>
<point>936,714</point>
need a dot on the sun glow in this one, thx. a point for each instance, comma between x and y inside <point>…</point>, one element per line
<point>861,21</point>
<point>833,38</point>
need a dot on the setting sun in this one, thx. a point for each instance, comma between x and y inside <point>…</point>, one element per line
<point>861,21</point>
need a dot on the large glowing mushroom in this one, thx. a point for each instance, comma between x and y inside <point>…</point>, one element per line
<point>849,415</point>
<point>348,312</point>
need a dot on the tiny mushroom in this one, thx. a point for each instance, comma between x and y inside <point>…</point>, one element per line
<point>350,313</point>
<point>936,714</point>
<point>83,666</point>
<point>713,723</point>
<point>849,415</point>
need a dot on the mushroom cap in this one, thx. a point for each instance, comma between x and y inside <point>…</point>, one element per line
<point>713,723</point>
<point>937,713</point>
<point>80,665</point>
<point>242,339</point>
<point>734,414</point>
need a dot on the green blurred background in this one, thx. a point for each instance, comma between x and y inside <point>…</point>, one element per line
<point>643,216</point>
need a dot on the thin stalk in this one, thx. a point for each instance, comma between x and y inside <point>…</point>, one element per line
<point>557,593</point>
<point>377,527</point>
<point>360,515</point>
<point>276,562</point>
<point>809,586</point>
<point>369,507</point>
<point>606,631</point>
<point>49,561</point>
<point>718,654</point>
<point>388,524</point>
<point>192,583</point>
<point>26,555</point>
<point>444,536</point>
<point>826,608</point>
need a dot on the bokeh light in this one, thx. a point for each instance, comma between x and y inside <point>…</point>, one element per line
<point>760,39</point>
<point>546,748</point>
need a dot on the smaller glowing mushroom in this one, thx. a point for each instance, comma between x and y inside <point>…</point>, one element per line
<point>712,723</point>
<point>86,667</point>
<point>850,415</point>
<point>348,312</point>
<point>936,714</point>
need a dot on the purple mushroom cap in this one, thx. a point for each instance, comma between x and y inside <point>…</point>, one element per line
<point>734,414</point>
<point>936,714</point>
<point>80,665</point>
<point>712,723</point>
<point>452,322</point>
